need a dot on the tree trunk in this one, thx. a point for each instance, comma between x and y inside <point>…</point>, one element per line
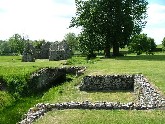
<point>116,49</point>
<point>91,55</point>
<point>107,52</point>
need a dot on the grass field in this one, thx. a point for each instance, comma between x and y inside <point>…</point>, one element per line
<point>150,66</point>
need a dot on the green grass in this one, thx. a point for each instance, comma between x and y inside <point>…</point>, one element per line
<point>13,113</point>
<point>5,100</point>
<point>151,66</point>
<point>14,73</point>
<point>103,117</point>
<point>70,92</point>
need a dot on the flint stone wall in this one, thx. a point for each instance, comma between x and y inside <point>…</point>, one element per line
<point>148,97</point>
<point>47,77</point>
<point>107,83</point>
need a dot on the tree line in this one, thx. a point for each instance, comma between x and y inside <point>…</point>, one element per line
<point>15,44</point>
<point>138,44</point>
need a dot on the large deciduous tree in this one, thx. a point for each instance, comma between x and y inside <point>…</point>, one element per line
<point>114,21</point>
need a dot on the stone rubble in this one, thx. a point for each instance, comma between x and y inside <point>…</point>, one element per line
<point>46,77</point>
<point>147,98</point>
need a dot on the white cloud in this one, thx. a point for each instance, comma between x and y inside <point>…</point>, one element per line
<point>155,27</point>
<point>49,19</point>
<point>40,19</point>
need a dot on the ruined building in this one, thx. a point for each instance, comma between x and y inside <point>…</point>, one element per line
<point>53,51</point>
<point>28,53</point>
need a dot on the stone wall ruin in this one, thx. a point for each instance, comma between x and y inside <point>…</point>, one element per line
<point>148,97</point>
<point>43,52</point>
<point>28,53</point>
<point>107,83</point>
<point>52,51</point>
<point>48,77</point>
<point>59,51</point>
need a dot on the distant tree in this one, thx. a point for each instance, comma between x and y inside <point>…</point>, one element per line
<point>152,44</point>
<point>72,41</point>
<point>16,43</point>
<point>141,43</point>
<point>1,42</point>
<point>38,43</point>
<point>163,44</point>
<point>5,48</point>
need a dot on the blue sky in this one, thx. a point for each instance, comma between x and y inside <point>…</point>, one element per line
<point>50,19</point>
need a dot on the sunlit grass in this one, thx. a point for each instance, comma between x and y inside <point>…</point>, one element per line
<point>70,92</point>
<point>150,66</point>
<point>103,117</point>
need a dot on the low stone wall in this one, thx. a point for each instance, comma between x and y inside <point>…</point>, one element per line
<point>47,77</point>
<point>148,97</point>
<point>107,83</point>
<point>40,109</point>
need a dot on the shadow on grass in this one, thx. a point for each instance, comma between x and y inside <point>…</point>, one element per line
<point>12,114</point>
<point>143,57</point>
<point>110,91</point>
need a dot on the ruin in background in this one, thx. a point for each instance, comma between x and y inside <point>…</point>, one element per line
<point>28,53</point>
<point>43,52</point>
<point>59,51</point>
<point>53,51</point>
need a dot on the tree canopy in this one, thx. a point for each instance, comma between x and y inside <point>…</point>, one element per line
<point>113,21</point>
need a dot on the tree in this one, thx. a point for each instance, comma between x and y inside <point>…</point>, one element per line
<point>38,43</point>
<point>72,41</point>
<point>89,43</point>
<point>141,43</point>
<point>163,44</point>
<point>5,48</point>
<point>17,44</point>
<point>152,44</point>
<point>114,21</point>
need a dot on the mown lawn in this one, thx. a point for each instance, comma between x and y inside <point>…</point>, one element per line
<point>103,117</point>
<point>150,66</point>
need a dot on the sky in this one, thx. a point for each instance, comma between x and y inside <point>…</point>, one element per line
<point>50,19</point>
